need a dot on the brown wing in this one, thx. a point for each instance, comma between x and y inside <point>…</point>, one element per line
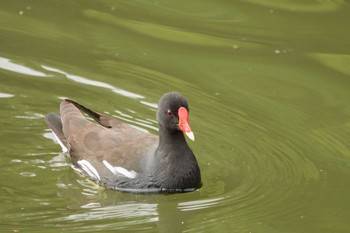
<point>113,141</point>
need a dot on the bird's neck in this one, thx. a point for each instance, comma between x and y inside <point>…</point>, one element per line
<point>175,166</point>
<point>171,139</point>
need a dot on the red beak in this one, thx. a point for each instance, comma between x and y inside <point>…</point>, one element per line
<point>183,123</point>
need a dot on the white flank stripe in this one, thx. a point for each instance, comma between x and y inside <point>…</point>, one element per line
<point>130,174</point>
<point>89,169</point>
<point>120,170</point>
<point>110,167</point>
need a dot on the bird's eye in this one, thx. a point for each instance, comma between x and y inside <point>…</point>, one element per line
<point>169,113</point>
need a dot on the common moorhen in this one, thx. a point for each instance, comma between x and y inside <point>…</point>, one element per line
<point>122,157</point>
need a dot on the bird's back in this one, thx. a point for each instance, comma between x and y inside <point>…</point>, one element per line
<point>109,152</point>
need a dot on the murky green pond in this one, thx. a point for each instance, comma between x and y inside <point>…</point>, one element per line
<point>268,84</point>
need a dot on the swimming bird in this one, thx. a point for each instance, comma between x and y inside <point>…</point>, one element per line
<point>122,157</point>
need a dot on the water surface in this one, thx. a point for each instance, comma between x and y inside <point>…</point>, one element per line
<point>268,86</point>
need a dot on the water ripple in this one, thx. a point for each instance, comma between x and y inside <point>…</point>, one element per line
<point>87,81</point>
<point>6,95</point>
<point>167,33</point>
<point>7,64</point>
<point>115,211</point>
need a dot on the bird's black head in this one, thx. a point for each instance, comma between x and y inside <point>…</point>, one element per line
<point>173,113</point>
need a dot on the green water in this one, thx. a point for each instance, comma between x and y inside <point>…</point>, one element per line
<point>268,83</point>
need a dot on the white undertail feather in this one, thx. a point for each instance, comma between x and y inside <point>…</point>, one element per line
<point>64,148</point>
